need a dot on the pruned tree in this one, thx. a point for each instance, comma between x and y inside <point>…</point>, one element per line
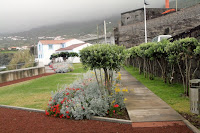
<point>104,56</point>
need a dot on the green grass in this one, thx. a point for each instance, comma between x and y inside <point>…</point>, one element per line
<point>78,68</point>
<point>171,94</point>
<point>8,51</point>
<point>36,93</point>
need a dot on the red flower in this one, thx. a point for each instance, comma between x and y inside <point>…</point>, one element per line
<point>116,105</point>
<point>67,93</point>
<point>113,111</point>
<point>62,101</point>
<point>68,116</point>
<point>61,116</point>
<point>83,108</point>
<point>47,113</point>
<point>67,112</point>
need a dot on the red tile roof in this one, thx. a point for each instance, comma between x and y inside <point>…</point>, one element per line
<point>71,47</point>
<point>46,42</point>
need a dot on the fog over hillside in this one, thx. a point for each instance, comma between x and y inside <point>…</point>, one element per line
<point>27,14</point>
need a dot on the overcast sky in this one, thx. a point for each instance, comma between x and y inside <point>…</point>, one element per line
<point>19,15</point>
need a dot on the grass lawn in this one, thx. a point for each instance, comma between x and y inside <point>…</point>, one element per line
<point>36,93</point>
<point>171,94</point>
<point>8,52</point>
<point>78,68</point>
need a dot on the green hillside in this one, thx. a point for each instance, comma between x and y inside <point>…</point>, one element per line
<point>66,30</point>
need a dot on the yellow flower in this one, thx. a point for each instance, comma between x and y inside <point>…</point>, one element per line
<point>119,76</point>
<point>113,101</point>
<point>125,90</point>
<point>117,90</point>
<point>125,99</point>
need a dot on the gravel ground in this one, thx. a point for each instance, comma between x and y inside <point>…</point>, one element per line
<point>18,121</point>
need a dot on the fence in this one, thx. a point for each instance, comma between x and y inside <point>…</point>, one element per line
<point>19,66</point>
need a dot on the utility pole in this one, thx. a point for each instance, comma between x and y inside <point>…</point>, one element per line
<point>105,32</point>
<point>97,33</point>
<point>145,23</point>
<point>176,5</point>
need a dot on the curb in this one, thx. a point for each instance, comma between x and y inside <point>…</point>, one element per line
<point>190,126</point>
<point>111,120</point>
<point>22,108</point>
<point>92,117</point>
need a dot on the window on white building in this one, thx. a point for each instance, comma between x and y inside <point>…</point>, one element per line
<point>62,45</point>
<point>50,46</point>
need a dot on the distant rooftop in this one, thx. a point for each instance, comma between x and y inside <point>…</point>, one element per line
<point>71,47</point>
<point>46,42</point>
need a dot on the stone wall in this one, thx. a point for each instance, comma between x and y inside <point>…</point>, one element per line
<point>20,73</point>
<point>172,24</point>
<point>194,32</point>
<point>136,16</point>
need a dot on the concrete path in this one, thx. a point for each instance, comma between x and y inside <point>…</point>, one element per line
<point>49,70</point>
<point>144,106</point>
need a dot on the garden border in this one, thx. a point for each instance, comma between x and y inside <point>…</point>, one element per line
<point>92,118</point>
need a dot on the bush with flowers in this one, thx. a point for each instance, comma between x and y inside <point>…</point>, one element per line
<point>61,67</point>
<point>84,98</point>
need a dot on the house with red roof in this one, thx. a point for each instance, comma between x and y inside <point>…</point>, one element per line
<point>74,48</point>
<point>46,48</point>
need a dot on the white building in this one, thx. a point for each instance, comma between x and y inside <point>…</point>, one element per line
<point>74,48</point>
<point>47,47</point>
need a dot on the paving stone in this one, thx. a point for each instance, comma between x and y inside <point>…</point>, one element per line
<point>143,105</point>
<point>152,115</point>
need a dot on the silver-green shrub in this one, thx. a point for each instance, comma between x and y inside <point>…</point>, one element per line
<point>84,98</point>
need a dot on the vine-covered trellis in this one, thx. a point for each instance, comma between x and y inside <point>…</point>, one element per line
<point>167,59</point>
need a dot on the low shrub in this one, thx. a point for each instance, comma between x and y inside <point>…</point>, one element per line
<point>84,99</point>
<point>62,67</point>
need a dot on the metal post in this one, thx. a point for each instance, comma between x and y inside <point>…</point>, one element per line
<point>176,5</point>
<point>97,34</point>
<point>145,23</point>
<point>105,31</point>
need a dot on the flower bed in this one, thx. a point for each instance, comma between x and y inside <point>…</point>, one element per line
<point>86,98</point>
<point>62,67</point>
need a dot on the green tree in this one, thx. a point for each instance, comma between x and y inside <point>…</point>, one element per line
<point>64,55</point>
<point>22,59</point>
<point>182,52</point>
<point>104,56</point>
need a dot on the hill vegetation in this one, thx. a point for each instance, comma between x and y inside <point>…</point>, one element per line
<point>65,30</point>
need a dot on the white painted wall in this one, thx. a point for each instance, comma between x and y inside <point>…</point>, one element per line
<point>44,52</point>
<point>77,50</point>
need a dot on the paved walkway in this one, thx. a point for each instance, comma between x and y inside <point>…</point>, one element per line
<point>144,107</point>
<point>49,70</point>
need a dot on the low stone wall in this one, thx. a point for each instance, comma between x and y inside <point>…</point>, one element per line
<point>20,73</point>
